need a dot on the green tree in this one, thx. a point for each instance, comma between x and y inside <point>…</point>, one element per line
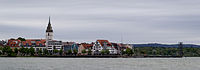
<point>40,52</point>
<point>27,52</point>
<point>46,52</point>
<point>75,52</point>
<point>69,52</point>
<point>1,50</point>
<point>6,50</point>
<point>89,51</point>
<point>10,52</point>
<point>55,51</point>
<point>22,39</point>
<point>22,51</point>
<point>84,51</point>
<point>129,51</point>
<point>123,52</point>
<point>16,51</point>
<point>1,53</point>
<point>107,52</point>
<point>61,52</point>
<point>103,52</point>
<point>32,51</point>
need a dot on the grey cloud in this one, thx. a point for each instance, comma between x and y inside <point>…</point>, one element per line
<point>138,21</point>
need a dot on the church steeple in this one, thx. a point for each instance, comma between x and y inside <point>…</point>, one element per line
<point>49,32</point>
<point>49,27</point>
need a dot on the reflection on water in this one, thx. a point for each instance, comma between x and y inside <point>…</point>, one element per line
<point>99,63</point>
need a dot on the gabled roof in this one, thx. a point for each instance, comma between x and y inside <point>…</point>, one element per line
<point>116,45</point>
<point>102,42</point>
<point>85,45</point>
<point>13,41</point>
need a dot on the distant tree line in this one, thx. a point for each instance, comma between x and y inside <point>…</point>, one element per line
<point>7,51</point>
<point>166,51</point>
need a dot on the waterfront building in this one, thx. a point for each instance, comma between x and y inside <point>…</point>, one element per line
<point>28,43</point>
<point>128,46</point>
<point>14,43</point>
<point>2,43</point>
<point>54,45</point>
<point>67,46</point>
<point>117,46</point>
<point>100,45</point>
<point>84,46</point>
<point>74,47</point>
<point>37,44</point>
<point>123,47</point>
<point>50,43</point>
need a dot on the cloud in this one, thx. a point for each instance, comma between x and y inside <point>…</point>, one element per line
<point>138,21</point>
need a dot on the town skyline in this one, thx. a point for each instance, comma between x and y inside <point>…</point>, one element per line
<point>120,40</point>
<point>86,21</point>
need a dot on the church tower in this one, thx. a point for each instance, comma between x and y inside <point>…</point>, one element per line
<point>49,33</point>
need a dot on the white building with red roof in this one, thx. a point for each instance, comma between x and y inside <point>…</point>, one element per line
<point>37,44</point>
<point>101,45</point>
<point>84,46</point>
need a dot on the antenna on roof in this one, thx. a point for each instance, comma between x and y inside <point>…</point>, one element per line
<point>122,38</point>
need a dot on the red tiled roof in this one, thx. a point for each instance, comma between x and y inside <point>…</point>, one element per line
<point>120,45</point>
<point>85,45</point>
<point>13,43</point>
<point>104,41</point>
<point>37,41</point>
<point>16,42</point>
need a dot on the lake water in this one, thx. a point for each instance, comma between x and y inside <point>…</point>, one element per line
<point>99,63</point>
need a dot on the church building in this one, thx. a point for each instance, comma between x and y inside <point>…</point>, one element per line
<point>50,43</point>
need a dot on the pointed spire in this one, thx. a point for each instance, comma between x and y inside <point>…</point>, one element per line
<point>49,20</point>
<point>49,28</point>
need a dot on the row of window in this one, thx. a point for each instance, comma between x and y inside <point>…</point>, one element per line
<point>55,44</point>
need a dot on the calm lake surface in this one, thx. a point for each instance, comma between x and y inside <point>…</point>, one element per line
<point>100,63</point>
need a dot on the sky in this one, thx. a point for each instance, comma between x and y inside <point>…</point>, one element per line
<point>126,21</point>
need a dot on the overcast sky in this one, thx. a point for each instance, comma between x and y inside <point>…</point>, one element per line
<point>128,21</point>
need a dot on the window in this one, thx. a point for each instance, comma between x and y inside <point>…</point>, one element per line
<point>33,42</point>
